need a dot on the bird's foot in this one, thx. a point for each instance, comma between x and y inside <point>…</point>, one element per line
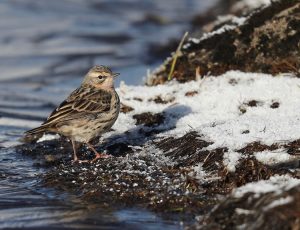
<point>98,156</point>
<point>77,161</point>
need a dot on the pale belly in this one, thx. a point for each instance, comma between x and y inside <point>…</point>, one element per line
<point>84,130</point>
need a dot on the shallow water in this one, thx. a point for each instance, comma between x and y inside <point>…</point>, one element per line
<point>45,48</point>
<point>24,205</point>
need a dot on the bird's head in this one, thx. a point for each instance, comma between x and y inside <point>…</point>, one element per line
<point>100,77</point>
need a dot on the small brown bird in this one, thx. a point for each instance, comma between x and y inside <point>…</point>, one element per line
<point>88,112</point>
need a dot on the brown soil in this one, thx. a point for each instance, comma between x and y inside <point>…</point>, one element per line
<point>268,43</point>
<point>160,100</point>
<point>256,212</point>
<point>149,119</point>
<point>257,147</point>
<point>159,178</point>
<point>125,108</point>
<point>253,103</point>
<point>275,105</point>
<point>191,93</point>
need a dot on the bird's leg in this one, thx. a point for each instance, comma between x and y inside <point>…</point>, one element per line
<point>98,155</point>
<point>75,158</point>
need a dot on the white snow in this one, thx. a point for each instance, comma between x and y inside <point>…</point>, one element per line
<point>241,211</point>
<point>215,111</point>
<point>281,201</point>
<point>48,137</point>
<point>208,35</point>
<point>276,184</point>
<point>200,173</point>
<point>250,4</point>
<point>236,21</point>
<point>273,157</point>
<point>230,160</point>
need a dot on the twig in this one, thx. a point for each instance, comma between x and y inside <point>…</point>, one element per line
<point>176,56</point>
<point>197,74</point>
<point>206,158</point>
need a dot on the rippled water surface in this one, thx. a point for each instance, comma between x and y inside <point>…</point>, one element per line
<point>45,48</point>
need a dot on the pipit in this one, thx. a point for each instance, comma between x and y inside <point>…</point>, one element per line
<point>87,113</point>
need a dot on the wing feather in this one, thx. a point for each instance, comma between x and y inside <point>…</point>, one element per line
<point>82,101</point>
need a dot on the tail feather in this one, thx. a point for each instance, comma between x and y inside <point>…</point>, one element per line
<point>34,134</point>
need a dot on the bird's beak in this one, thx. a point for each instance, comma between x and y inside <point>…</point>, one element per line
<point>116,74</point>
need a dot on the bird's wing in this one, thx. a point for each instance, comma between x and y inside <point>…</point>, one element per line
<point>81,101</point>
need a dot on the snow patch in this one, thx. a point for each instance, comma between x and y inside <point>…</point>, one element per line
<point>276,184</point>
<point>200,173</point>
<point>273,157</point>
<point>251,4</point>
<point>48,137</point>
<point>281,201</point>
<point>236,21</point>
<point>230,160</point>
<point>214,111</point>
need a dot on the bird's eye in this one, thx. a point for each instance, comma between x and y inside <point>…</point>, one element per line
<point>101,77</point>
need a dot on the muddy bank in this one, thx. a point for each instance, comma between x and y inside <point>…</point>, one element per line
<point>162,177</point>
<point>265,41</point>
<point>252,211</point>
<point>149,175</point>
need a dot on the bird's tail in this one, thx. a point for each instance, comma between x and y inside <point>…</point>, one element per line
<point>33,134</point>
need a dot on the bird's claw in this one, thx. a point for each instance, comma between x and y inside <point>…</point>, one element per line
<point>75,161</point>
<point>103,155</point>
